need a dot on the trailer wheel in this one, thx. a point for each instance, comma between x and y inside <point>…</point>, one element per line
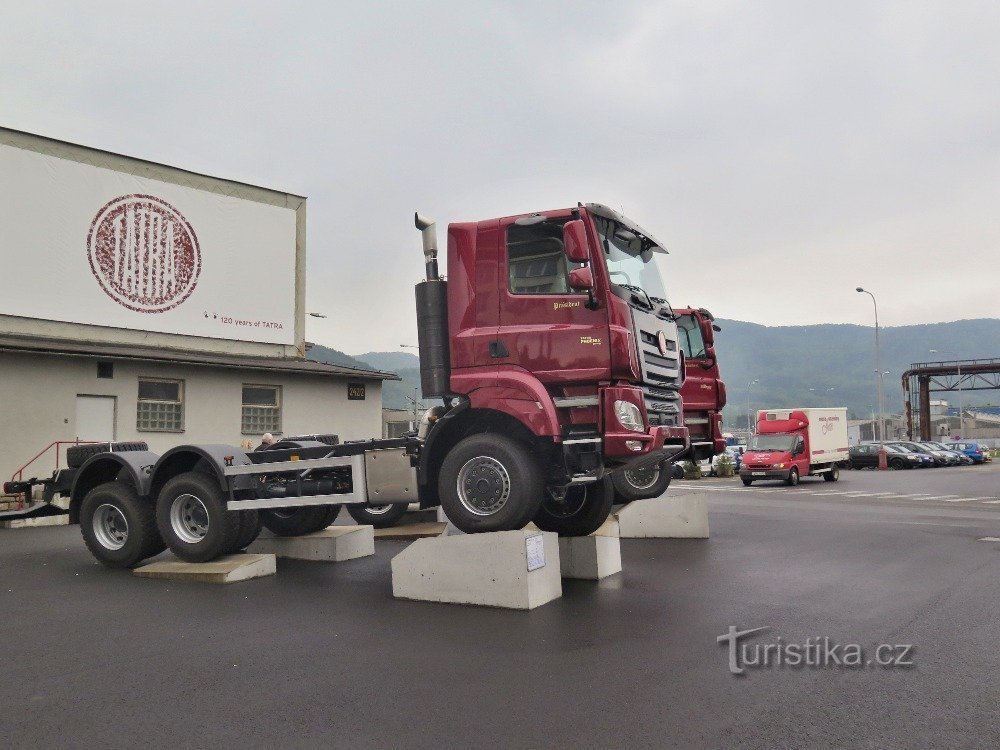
<point>379,516</point>
<point>490,482</point>
<point>833,475</point>
<point>119,528</point>
<point>640,484</point>
<point>250,526</point>
<point>793,477</point>
<point>581,511</point>
<point>299,521</point>
<point>192,517</point>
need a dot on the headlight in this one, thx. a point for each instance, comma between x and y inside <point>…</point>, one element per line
<point>778,466</point>
<point>629,416</point>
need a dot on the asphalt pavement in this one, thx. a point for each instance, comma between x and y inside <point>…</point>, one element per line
<point>321,655</point>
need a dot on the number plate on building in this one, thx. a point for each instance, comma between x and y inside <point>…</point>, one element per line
<point>355,391</point>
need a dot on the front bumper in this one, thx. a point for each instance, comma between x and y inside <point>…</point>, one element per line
<point>659,444</point>
<point>765,473</point>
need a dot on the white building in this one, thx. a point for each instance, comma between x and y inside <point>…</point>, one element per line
<point>140,302</point>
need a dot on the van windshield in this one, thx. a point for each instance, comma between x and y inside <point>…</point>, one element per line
<point>770,443</point>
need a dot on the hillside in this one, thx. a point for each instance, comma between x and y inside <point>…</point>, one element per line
<point>788,361</point>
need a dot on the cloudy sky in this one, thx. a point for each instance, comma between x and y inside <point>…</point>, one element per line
<point>786,152</point>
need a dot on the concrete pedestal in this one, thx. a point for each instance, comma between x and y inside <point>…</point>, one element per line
<point>30,523</point>
<point>332,544</point>
<point>590,557</point>
<point>671,517</point>
<point>511,569</point>
<point>228,569</point>
<point>410,531</point>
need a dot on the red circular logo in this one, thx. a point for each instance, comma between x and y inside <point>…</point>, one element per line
<point>144,253</point>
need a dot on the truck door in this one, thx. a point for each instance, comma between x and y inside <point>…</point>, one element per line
<point>545,326</point>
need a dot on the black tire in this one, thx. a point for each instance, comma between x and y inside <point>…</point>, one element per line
<point>793,477</point>
<point>897,463</point>
<point>833,475</point>
<point>118,527</point>
<point>676,471</point>
<point>250,527</point>
<point>640,484</point>
<point>192,518</point>
<point>299,521</point>
<point>508,484</point>
<point>379,516</point>
<point>585,508</point>
<point>77,454</point>
<point>746,481</point>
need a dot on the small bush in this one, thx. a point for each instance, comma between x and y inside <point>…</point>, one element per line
<point>692,470</point>
<point>724,466</point>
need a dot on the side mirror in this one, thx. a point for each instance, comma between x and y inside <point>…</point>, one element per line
<point>581,278</point>
<point>707,332</point>
<point>575,242</point>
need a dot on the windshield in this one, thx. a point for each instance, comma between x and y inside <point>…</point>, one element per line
<point>689,332</point>
<point>629,258</point>
<point>770,443</point>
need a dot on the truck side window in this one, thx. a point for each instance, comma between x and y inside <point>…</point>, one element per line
<point>536,259</point>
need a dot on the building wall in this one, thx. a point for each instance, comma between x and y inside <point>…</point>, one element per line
<point>38,404</point>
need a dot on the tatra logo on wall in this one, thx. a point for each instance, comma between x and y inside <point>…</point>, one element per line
<point>144,253</point>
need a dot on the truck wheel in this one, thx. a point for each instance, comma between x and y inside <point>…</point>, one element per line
<point>192,517</point>
<point>582,511</point>
<point>250,526</point>
<point>833,475</point>
<point>747,481</point>
<point>299,521</point>
<point>640,484</point>
<point>490,482</point>
<point>793,477</point>
<point>379,516</point>
<point>119,528</point>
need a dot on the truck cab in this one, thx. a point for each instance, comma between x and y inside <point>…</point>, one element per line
<point>703,392</point>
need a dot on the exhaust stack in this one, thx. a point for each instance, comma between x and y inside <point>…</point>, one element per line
<point>428,231</point>
<point>432,318</point>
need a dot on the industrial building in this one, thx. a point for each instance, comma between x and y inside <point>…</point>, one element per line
<point>141,302</point>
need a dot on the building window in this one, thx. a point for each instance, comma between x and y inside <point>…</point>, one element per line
<point>106,370</point>
<point>161,406</point>
<point>261,409</point>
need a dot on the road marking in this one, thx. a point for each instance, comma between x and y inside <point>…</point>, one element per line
<point>957,499</point>
<point>991,502</point>
<point>938,497</point>
<point>990,539</point>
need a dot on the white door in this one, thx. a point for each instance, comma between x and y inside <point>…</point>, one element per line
<point>95,418</point>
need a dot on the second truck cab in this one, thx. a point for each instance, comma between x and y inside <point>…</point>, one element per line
<point>703,393</point>
<point>794,443</point>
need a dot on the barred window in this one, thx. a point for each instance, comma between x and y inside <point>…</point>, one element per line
<point>160,407</point>
<point>261,409</point>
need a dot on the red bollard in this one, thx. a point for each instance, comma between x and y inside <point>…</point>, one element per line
<point>883,462</point>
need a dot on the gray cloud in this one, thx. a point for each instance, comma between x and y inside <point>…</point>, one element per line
<point>785,151</point>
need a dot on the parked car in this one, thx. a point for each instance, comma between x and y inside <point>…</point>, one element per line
<point>960,454</point>
<point>954,457</point>
<point>865,455</point>
<point>972,450</point>
<point>940,458</point>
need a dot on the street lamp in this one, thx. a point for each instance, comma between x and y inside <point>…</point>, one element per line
<point>882,464</point>
<point>958,364</point>
<point>881,383</point>
<point>749,429</point>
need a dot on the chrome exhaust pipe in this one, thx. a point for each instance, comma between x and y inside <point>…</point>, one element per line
<point>428,231</point>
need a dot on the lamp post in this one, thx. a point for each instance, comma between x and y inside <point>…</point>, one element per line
<point>958,364</point>
<point>749,429</point>
<point>882,464</point>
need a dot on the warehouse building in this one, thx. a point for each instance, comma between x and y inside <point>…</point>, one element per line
<point>141,302</point>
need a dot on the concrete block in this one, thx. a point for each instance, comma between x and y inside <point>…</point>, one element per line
<point>332,544</point>
<point>511,569</point>
<point>668,517</point>
<point>590,557</point>
<point>27,523</point>
<point>228,569</point>
<point>410,531</point>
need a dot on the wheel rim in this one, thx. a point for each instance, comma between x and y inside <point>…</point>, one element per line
<point>189,518</point>
<point>483,485</point>
<point>378,510</point>
<point>110,527</point>
<point>571,504</point>
<point>642,479</point>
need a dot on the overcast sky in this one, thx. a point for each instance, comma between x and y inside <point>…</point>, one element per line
<point>786,152</point>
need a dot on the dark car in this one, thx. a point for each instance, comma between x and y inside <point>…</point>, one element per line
<point>865,456</point>
<point>939,457</point>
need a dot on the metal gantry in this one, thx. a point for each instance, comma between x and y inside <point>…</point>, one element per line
<point>923,378</point>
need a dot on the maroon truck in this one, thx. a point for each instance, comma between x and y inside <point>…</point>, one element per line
<point>556,357</point>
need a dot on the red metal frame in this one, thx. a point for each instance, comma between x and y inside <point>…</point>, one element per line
<point>18,475</point>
